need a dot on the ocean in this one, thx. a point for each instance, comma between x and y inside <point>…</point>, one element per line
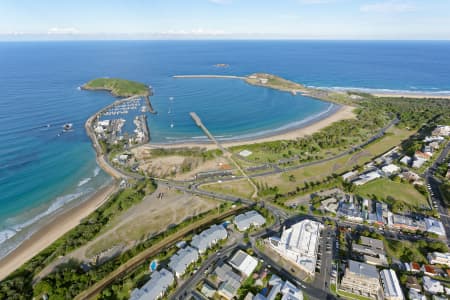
<point>43,170</point>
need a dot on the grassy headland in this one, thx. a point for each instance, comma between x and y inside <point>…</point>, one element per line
<point>118,87</point>
<point>275,82</point>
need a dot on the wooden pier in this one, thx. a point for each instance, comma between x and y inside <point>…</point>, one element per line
<point>225,152</point>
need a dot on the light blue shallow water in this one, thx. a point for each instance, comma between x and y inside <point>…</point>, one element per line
<point>41,171</point>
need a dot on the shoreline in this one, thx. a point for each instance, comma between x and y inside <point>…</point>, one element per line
<point>53,229</point>
<point>341,112</point>
<point>411,95</point>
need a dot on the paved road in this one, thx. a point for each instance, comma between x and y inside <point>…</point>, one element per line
<point>433,185</point>
<point>184,291</point>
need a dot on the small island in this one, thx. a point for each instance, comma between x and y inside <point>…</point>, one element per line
<point>118,87</point>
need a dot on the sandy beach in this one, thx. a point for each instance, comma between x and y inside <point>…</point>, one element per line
<point>344,112</point>
<point>52,230</point>
<point>412,95</point>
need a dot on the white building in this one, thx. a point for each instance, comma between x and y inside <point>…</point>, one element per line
<point>286,288</point>
<point>299,244</point>
<point>182,260</point>
<point>390,169</point>
<point>439,258</point>
<point>434,226</point>
<point>251,218</point>
<point>432,286</point>
<point>415,295</point>
<point>391,285</point>
<point>245,153</point>
<point>365,178</point>
<point>441,131</point>
<point>155,288</point>
<point>243,262</point>
<point>209,238</point>
<point>406,160</point>
<point>349,175</point>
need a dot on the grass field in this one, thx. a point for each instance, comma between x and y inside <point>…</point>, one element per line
<point>239,188</point>
<point>118,87</point>
<point>384,188</point>
<point>339,165</point>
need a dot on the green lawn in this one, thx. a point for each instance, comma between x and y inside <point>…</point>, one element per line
<point>384,188</point>
<point>238,188</point>
<point>118,87</point>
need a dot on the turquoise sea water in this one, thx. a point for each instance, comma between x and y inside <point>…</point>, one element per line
<point>40,172</point>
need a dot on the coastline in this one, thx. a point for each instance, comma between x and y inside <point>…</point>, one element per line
<point>411,95</point>
<point>53,229</point>
<point>341,113</point>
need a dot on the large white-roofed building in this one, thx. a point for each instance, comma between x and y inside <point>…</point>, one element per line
<point>299,244</point>
<point>391,285</point>
<point>434,226</point>
<point>155,288</point>
<point>209,238</point>
<point>243,262</point>
<point>251,218</point>
<point>182,260</point>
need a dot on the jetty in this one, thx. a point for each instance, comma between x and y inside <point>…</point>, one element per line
<point>225,151</point>
<point>149,105</point>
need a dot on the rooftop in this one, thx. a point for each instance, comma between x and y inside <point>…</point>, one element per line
<point>362,269</point>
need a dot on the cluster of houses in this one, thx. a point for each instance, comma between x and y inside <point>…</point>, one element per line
<point>179,263</point>
<point>430,285</point>
<point>187,255</point>
<point>374,212</point>
<point>364,279</point>
<point>430,145</point>
<point>381,167</point>
<point>227,278</point>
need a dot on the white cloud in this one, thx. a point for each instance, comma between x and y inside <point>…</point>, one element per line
<point>63,30</point>
<point>315,1</point>
<point>388,7</point>
<point>194,32</point>
<point>220,1</point>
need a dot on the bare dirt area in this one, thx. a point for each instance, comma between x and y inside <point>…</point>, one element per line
<point>151,216</point>
<point>176,166</point>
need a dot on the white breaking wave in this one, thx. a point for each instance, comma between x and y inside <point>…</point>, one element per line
<point>84,181</point>
<point>96,171</point>
<point>413,90</point>
<point>11,231</point>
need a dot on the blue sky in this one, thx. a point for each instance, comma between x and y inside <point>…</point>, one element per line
<point>258,19</point>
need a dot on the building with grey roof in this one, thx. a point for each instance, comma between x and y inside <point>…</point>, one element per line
<point>245,220</point>
<point>182,260</point>
<point>362,279</point>
<point>155,288</point>
<point>369,246</point>
<point>209,238</point>
<point>228,279</point>
<point>243,262</point>
<point>391,285</point>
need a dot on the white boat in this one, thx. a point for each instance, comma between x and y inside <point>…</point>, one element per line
<point>171,125</point>
<point>67,126</point>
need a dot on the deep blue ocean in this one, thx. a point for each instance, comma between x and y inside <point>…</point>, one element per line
<point>41,170</point>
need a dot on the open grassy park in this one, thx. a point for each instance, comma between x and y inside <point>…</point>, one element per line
<point>240,188</point>
<point>385,189</point>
